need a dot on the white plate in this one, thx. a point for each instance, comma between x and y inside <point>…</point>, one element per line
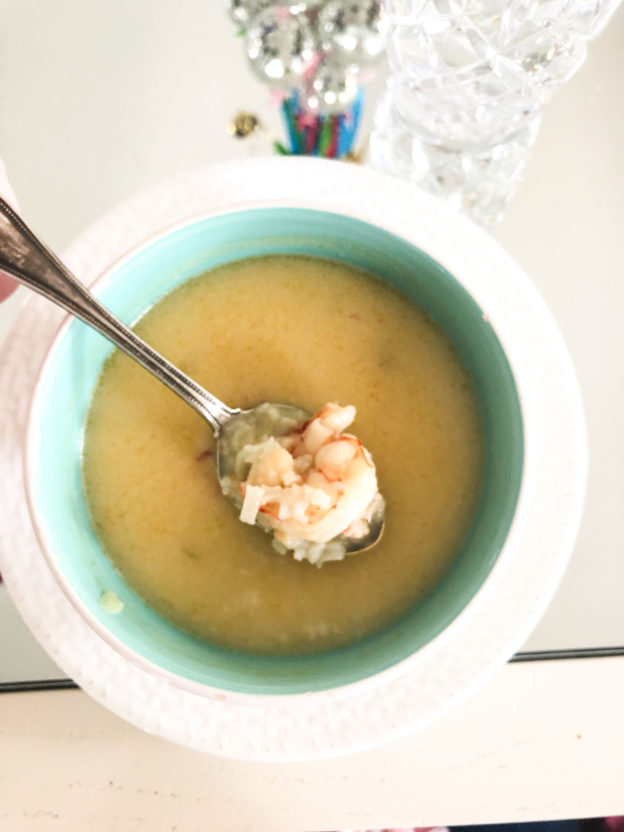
<point>493,625</point>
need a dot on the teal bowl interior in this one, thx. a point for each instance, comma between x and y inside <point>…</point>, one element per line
<point>68,381</point>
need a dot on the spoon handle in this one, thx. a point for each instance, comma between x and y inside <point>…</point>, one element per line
<point>27,259</point>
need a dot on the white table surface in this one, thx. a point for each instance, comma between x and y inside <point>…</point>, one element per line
<point>528,747</point>
<point>97,102</point>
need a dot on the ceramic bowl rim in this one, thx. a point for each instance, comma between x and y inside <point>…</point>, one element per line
<point>30,452</point>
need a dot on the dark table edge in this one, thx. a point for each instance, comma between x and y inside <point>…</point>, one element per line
<point>526,656</point>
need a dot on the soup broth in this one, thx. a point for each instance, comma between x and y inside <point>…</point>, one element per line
<point>304,331</point>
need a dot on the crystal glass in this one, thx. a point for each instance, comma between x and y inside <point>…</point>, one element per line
<point>467,83</point>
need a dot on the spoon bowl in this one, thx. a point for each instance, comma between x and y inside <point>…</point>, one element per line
<point>282,418</point>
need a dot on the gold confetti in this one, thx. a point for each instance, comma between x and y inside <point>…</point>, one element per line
<point>243,124</point>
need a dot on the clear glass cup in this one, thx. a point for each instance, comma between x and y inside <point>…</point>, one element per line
<point>467,83</point>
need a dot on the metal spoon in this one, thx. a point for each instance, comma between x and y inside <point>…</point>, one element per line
<point>27,259</point>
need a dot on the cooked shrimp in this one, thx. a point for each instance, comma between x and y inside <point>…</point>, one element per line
<point>312,485</point>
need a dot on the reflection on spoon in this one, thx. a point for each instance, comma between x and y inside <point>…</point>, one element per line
<point>25,257</point>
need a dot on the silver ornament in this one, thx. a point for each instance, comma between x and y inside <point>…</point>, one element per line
<point>331,89</point>
<point>350,30</point>
<point>297,6</point>
<point>281,45</point>
<point>242,11</point>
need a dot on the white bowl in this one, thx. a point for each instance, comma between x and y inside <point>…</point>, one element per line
<point>499,616</point>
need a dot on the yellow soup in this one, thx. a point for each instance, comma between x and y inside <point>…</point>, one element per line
<point>304,331</point>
